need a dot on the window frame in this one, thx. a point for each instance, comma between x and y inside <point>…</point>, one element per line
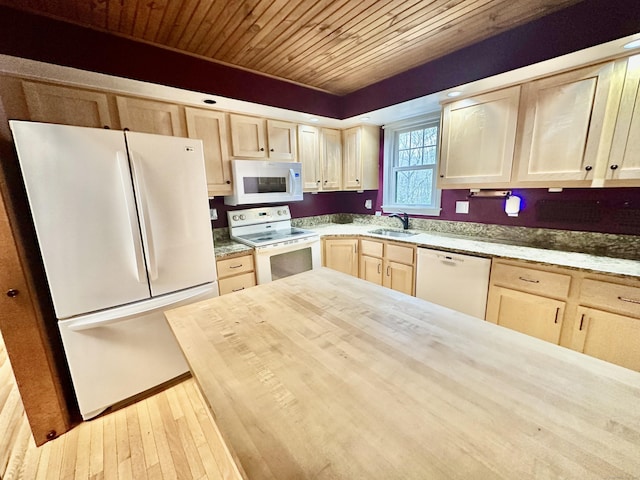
<point>390,155</point>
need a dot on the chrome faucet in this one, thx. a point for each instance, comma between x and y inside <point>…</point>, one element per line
<point>404,218</point>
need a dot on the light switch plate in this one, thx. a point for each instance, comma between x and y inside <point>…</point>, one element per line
<point>462,207</point>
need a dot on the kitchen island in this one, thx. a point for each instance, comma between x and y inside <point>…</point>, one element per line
<point>323,375</point>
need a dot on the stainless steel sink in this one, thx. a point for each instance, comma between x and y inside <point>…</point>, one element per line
<point>387,232</point>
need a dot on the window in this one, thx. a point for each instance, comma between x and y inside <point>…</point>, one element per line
<point>411,166</point>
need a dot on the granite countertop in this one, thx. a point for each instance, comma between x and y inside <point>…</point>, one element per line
<point>473,246</point>
<point>225,247</point>
<point>477,240</point>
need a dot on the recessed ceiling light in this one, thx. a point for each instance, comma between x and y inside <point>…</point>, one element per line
<point>364,119</point>
<point>454,94</point>
<point>634,44</point>
<point>313,119</point>
<point>209,101</point>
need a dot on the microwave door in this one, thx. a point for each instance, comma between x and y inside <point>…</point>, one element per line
<point>265,182</point>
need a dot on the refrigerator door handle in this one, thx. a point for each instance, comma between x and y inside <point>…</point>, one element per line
<point>125,178</point>
<point>138,178</point>
<point>112,316</point>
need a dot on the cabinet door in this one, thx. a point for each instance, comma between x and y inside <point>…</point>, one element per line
<point>360,157</point>
<point>149,116</point>
<point>352,159</point>
<point>371,269</point>
<point>398,276</point>
<point>211,128</point>
<point>562,125</point>
<point>248,137</point>
<point>309,146</point>
<point>624,159</point>
<point>478,138</point>
<point>67,106</point>
<point>331,159</point>
<point>608,336</point>
<point>342,255</point>
<point>282,141</point>
<point>534,315</point>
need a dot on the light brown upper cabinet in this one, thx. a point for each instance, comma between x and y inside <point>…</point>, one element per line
<point>211,127</point>
<point>320,151</point>
<point>360,157</point>
<point>253,137</point>
<point>309,151</point>
<point>281,138</point>
<point>624,160</point>
<point>68,106</point>
<point>331,158</point>
<point>562,120</point>
<point>150,116</point>
<point>478,139</point>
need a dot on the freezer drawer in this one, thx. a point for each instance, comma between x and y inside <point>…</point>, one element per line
<point>121,352</point>
<point>459,282</point>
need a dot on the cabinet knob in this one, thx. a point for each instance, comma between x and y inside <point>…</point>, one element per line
<point>261,149</point>
<point>588,168</point>
<point>613,167</point>
<point>272,150</point>
<point>228,182</point>
<point>441,176</point>
<point>318,181</point>
<point>12,293</point>
<point>357,180</point>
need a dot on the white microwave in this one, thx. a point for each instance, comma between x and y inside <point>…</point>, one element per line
<point>258,181</point>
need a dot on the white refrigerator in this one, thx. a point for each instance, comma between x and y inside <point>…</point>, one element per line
<point>122,221</point>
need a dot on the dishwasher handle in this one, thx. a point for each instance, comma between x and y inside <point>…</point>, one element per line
<point>444,258</point>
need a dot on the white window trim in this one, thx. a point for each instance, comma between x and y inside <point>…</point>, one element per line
<point>389,149</point>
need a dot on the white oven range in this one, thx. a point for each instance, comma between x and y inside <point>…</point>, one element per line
<point>280,249</point>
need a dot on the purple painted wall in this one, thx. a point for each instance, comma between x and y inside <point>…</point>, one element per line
<point>613,210</point>
<point>313,204</point>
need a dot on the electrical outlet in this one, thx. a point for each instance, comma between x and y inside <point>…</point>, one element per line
<point>462,207</point>
<point>213,213</point>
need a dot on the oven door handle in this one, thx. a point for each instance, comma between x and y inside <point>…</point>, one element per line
<point>275,248</point>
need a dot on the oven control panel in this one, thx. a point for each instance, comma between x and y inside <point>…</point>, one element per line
<point>253,216</point>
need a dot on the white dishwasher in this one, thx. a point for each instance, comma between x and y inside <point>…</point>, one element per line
<point>459,282</point>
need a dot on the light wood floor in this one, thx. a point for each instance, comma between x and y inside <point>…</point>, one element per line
<point>167,436</point>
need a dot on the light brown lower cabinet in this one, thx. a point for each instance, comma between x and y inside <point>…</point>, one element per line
<point>236,273</point>
<point>608,336</point>
<point>607,322</point>
<point>341,254</point>
<point>388,264</point>
<point>596,314</point>
<point>527,313</point>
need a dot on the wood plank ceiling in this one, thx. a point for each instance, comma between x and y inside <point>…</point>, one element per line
<point>337,46</point>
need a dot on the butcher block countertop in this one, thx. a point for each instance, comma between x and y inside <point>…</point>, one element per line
<point>325,376</point>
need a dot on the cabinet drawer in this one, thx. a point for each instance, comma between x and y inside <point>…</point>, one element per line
<point>234,266</point>
<point>399,253</point>
<point>623,299</point>
<point>371,248</point>
<point>550,284</point>
<point>237,283</point>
